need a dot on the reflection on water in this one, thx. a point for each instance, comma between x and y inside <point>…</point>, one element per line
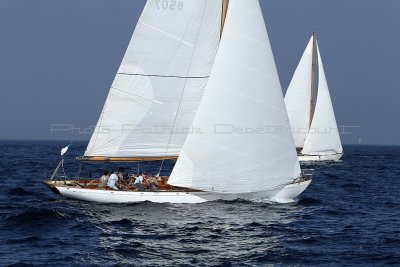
<point>162,231</point>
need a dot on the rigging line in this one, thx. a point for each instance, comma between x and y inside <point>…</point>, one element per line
<point>183,90</point>
<point>62,166</point>
<point>164,76</point>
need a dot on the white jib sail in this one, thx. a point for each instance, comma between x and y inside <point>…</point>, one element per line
<point>323,137</point>
<point>244,144</point>
<point>165,68</point>
<point>298,95</point>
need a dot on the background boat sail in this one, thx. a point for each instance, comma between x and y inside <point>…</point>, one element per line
<point>216,86</point>
<point>316,135</point>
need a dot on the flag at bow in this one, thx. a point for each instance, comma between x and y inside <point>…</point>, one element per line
<point>64,150</point>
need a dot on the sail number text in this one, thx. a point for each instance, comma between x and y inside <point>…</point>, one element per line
<point>169,4</point>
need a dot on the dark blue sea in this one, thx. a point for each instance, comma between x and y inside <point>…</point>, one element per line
<point>349,216</point>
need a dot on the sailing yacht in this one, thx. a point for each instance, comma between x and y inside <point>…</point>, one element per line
<point>191,87</point>
<point>316,135</point>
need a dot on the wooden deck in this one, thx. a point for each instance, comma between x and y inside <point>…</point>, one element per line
<point>125,185</point>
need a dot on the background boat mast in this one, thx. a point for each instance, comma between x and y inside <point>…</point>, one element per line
<point>312,78</point>
<point>223,15</point>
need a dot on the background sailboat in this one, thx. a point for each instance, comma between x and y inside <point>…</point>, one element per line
<point>223,159</point>
<point>316,135</point>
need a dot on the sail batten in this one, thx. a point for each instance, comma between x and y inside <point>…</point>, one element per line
<point>236,152</point>
<point>159,85</point>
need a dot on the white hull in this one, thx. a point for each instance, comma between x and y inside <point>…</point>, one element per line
<point>331,157</point>
<point>291,191</point>
<point>110,196</point>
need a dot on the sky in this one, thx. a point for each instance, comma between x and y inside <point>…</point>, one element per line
<point>58,59</point>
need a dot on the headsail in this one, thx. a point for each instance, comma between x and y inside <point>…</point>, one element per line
<point>323,137</point>
<point>165,69</point>
<point>298,97</point>
<point>241,147</point>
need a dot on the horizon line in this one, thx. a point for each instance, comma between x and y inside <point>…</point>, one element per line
<point>87,140</point>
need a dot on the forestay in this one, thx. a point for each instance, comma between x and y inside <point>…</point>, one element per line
<point>323,137</point>
<point>160,82</point>
<point>298,95</point>
<point>243,145</point>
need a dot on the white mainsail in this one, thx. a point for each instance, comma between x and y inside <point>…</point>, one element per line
<point>165,69</point>
<point>323,137</point>
<point>298,95</point>
<point>242,147</point>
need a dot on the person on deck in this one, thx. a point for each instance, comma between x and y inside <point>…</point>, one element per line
<point>132,179</point>
<point>138,181</point>
<point>120,183</point>
<point>153,184</point>
<point>104,179</point>
<point>112,181</point>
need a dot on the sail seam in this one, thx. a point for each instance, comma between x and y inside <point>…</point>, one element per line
<point>137,95</point>
<point>164,76</point>
<point>167,34</point>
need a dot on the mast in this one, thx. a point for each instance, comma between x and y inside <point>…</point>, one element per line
<point>223,16</point>
<point>312,78</point>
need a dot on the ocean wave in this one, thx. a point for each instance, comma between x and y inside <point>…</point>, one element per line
<point>19,191</point>
<point>36,216</point>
